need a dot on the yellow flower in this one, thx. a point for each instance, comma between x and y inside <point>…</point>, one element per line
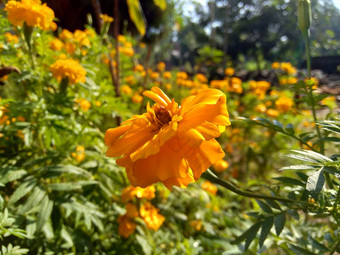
<point>284,104</point>
<point>106,18</point>
<point>312,82</point>
<point>209,187</point>
<point>182,75</point>
<point>32,12</point>
<point>130,192</point>
<point>121,38</point>
<point>161,66</point>
<point>229,71</point>
<point>68,68</point>
<point>220,165</point>
<point>130,79</point>
<point>170,144</point>
<point>154,75</point>
<point>151,216</point>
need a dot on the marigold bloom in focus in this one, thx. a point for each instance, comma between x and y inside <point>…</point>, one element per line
<point>170,144</point>
<point>32,12</point>
<point>151,216</point>
<point>209,187</point>
<point>68,68</point>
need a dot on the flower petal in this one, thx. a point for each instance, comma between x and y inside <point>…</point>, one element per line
<point>113,134</point>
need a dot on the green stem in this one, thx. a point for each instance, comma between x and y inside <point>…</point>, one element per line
<point>310,93</point>
<point>210,176</point>
<point>335,247</point>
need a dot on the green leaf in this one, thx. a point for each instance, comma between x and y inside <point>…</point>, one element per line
<point>44,213</point>
<point>12,174</point>
<point>331,139</point>
<point>290,129</point>
<point>161,4</point>
<point>136,15</point>
<point>298,167</point>
<point>279,221</point>
<point>252,231</point>
<point>309,156</point>
<point>316,181</point>
<point>273,204</point>
<point>300,250</point>
<point>264,206</point>
<point>64,186</point>
<point>147,249</point>
<point>289,181</point>
<point>22,190</point>
<point>265,229</point>
<point>66,236</point>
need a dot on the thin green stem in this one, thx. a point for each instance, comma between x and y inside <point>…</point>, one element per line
<point>335,247</point>
<point>210,176</point>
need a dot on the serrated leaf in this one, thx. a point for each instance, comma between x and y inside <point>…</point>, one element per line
<point>279,221</point>
<point>136,15</point>
<point>316,181</point>
<point>265,229</point>
<point>12,174</point>
<point>64,186</point>
<point>264,206</point>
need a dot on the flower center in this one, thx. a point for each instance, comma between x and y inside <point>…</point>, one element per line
<point>163,117</point>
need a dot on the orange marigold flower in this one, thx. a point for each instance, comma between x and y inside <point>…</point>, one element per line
<point>209,187</point>
<point>83,104</point>
<point>151,216</point>
<point>106,18</point>
<point>125,89</point>
<point>161,66</point>
<point>229,71</point>
<point>56,44</point>
<point>275,65</point>
<point>284,104</point>
<point>170,144</point>
<point>126,226</point>
<point>68,68</point>
<point>201,78</point>
<point>11,38</point>
<point>32,12</point>
<point>130,192</point>
<point>137,99</point>
<point>196,224</point>
<point>273,113</point>
<point>167,75</point>
<point>220,165</point>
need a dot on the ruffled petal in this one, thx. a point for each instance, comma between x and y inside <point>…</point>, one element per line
<point>113,134</point>
<point>202,157</point>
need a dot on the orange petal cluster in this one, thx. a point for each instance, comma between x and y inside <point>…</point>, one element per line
<point>68,68</point>
<point>32,12</point>
<point>169,143</point>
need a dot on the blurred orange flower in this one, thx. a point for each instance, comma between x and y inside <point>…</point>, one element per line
<point>170,144</point>
<point>151,216</point>
<point>209,187</point>
<point>32,12</point>
<point>68,68</point>
<point>130,192</point>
